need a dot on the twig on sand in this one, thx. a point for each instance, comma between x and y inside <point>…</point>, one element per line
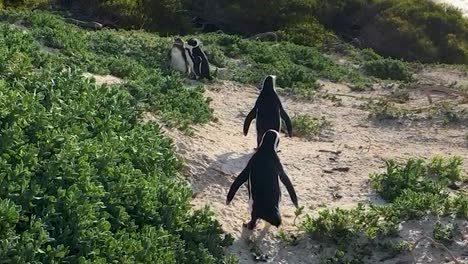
<point>437,245</point>
<point>220,171</point>
<point>351,96</point>
<point>338,152</point>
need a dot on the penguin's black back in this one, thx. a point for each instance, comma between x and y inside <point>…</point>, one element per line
<point>264,187</point>
<point>268,114</point>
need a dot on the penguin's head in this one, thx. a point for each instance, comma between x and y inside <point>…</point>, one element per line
<point>178,41</point>
<point>269,83</point>
<point>270,140</point>
<point>193,42</point>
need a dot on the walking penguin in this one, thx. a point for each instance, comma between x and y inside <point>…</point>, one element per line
<point>268,111</point>
<point>261,174</point>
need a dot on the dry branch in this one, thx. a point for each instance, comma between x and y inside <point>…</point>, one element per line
<point>92,25</point>
<point>435,244</point>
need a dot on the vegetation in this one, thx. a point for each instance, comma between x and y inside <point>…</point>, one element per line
<point>81,178</point>
<point>443,113</point>
<point>141,61</point>
<point>444,233</point>
<point>136,57</point>
<point>388,69</point>
<point>307,126</point>
<point>287,238</point>
<point>297,67</point>
<point>413,190</point>
<point>374,23</point>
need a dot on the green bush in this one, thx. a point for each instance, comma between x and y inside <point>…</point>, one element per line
<point>307,33</point>
<point>388,69</point>
<point>413,191</point>
<point>297,67</point>
<point>24,4</point>
<point>163,16</point>
<point>307,126</point>
<point>444,233</point>
<point>430,31</point>
<point>140,61</point>
<point>417,176</point>
<point>82,179</point>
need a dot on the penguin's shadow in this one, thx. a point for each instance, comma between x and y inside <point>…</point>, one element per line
<point>222,170</point>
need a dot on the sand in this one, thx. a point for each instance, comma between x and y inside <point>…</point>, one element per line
<point>218,151</point>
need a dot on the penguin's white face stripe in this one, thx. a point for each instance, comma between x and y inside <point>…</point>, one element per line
<point>274,81</point>
<point>276,139</point>
<point>196,45</point>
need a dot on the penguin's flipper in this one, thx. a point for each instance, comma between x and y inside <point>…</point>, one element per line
<point>249,119</point>
<point>287,120</point>
<point>287,182</point>
<point>199,65</point>
<point>243,177</point>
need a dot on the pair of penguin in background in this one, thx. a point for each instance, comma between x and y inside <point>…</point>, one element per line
<point>189,59</point>
<point>264,169</point>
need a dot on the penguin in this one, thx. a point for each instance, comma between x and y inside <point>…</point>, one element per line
<point>180,60</point>
<point>268,111</point>
<point>261,174</point>
<point>201,67</point>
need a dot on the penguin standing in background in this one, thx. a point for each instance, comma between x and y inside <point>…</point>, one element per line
<point>262,173</point>
<point>179,57</point>
<point>268,111</point>
<point>201,67</point>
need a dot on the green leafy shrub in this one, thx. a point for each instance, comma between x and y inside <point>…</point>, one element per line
<point>397,179</point>
<point>287,238</point>
<point>444,233</point>
<point>297,67</point>
<point>306,126</point>
<point>338,257</point>
<point>162,16</point>
<point>413,23</point>
<point>388,25</point>
<point>388,69</point>
<point>449,169</point>
<point>375,23</point>
<point>383,109</point>
<point>141,61</point>
<point>82,178</point>
<point>417,176</point>
<point>307,33</point>
<point>25,4</point>
<point>412,190</point>
<point>400,95</point>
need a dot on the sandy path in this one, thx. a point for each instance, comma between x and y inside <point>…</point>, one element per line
<point>218,151</point>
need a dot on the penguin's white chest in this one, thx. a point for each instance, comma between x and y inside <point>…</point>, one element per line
<point>177,61</point>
